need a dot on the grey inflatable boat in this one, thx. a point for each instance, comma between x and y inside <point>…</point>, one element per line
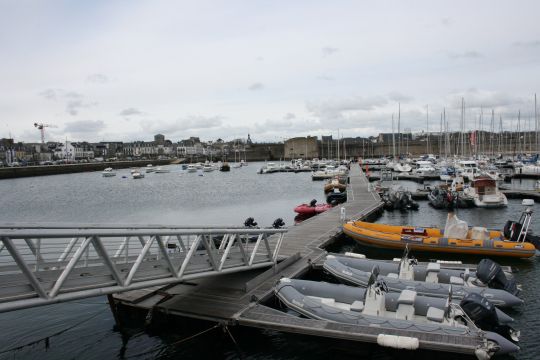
<point>486,274</point>
<point>405,322</point>
<point>344,269</point>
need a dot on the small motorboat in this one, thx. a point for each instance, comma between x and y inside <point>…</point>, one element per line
<point>399,199</point>
<point>160,170</point>
<point>343,268</point>
<point>487,273</point>
<point>312,208</point>
<point>486,193</point>
<point>108,172</point>
<point>398,326</point>
<point>457,237</point>
<point>336,197</point>
<point>149,168</point>
<point>191,168</point>
<point>208,168</point>
<point>137,175</point>
<point>349,298</point>
<point>225,167</point>
<point>334,184</point>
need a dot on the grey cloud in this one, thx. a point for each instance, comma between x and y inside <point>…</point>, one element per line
<point>97,78</point>
<point>328,50</point>
<point>49,94</point>
<point>535,43</point>
<point>475,98</point>
<point>200,122</point>
<point>447,21</point>
<point>84,126</point>
<point>472,54</point>
<point>73,106</point>
<point>335,107</point>
<point>74,101</point>
<point>256,86</point>
<point>289,116</point>
<point>131,112</point>
<point>73,95</point>
<point>259,58</point>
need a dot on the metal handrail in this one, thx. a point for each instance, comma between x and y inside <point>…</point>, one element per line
<point>108,260</point>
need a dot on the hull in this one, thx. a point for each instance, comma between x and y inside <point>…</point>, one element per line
<point>396,237</point>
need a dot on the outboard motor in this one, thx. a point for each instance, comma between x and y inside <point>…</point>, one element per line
<point>512,229</point>
<point>313,202</point>
<point>250,222</point>
<point>484,314</point>
<point>278,223</point>
<point>491,274</point>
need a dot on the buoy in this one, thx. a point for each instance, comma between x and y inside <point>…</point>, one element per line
<point>398,342</point>
<point>527,202</point>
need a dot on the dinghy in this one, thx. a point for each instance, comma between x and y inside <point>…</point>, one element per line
<point>457,237</point>
<point>350,298</point>
<point>343,269</point>
<point>486,274</point>
<point>404,328</point>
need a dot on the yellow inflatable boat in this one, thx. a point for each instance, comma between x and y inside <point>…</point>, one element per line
<point>475,241</point>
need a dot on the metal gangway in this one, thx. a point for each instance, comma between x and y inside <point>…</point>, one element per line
<point>46,264</point>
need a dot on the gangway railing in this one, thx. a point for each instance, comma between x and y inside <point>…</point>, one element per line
<point>42,265</point>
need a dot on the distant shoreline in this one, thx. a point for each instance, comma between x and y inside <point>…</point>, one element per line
<point>43,170</point>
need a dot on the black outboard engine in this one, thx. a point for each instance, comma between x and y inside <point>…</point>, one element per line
<point>278,223</point>
<point>512,229</point>
<point>250,222</point>
<point>484,314</point>
<point>313,202</point>
<point>491,274</point>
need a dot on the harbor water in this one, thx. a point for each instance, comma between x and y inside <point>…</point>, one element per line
<point>86,329</point>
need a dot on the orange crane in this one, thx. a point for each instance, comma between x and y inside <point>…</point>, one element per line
<point>41,127</point>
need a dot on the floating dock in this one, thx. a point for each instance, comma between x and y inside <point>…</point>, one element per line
<point>240,298</point>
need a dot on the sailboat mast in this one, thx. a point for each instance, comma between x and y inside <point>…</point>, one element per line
<point>393,139</point>
<point>427,129</point>
<point>399,130</point>
<point>535,123</point>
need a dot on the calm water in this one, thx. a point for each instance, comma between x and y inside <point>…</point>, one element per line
<point>85,329</point>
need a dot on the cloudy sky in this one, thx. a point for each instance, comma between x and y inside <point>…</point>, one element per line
<point>125,70</point>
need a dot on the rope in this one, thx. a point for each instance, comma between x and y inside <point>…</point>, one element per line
<point>46,338</point>
<point>173,343</point>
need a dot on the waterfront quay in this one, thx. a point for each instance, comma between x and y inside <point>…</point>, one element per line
<point>26,171</point>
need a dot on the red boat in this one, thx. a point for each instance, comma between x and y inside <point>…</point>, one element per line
<point>312,208</point>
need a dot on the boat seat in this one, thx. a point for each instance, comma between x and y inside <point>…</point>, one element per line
<point>405,308</point>
<point>435,314</point>
<point>478,233</point>
<point>357,305</point>
<point>432,272</point>
<point>455,280</point>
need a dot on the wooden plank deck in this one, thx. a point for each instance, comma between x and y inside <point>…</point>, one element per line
<point>225,298</point>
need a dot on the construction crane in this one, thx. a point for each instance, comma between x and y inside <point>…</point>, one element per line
<point>41,127</point>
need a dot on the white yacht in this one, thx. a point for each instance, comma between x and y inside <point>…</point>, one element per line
<point>468,169</point>
<point>208,168</point>
<point>485,192</point>
<point>191,168</point>
<point>108,172</point>
<point>137,174</point>
<point>160,170</point>
<point>425,169</point>
<point>402,167</point>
